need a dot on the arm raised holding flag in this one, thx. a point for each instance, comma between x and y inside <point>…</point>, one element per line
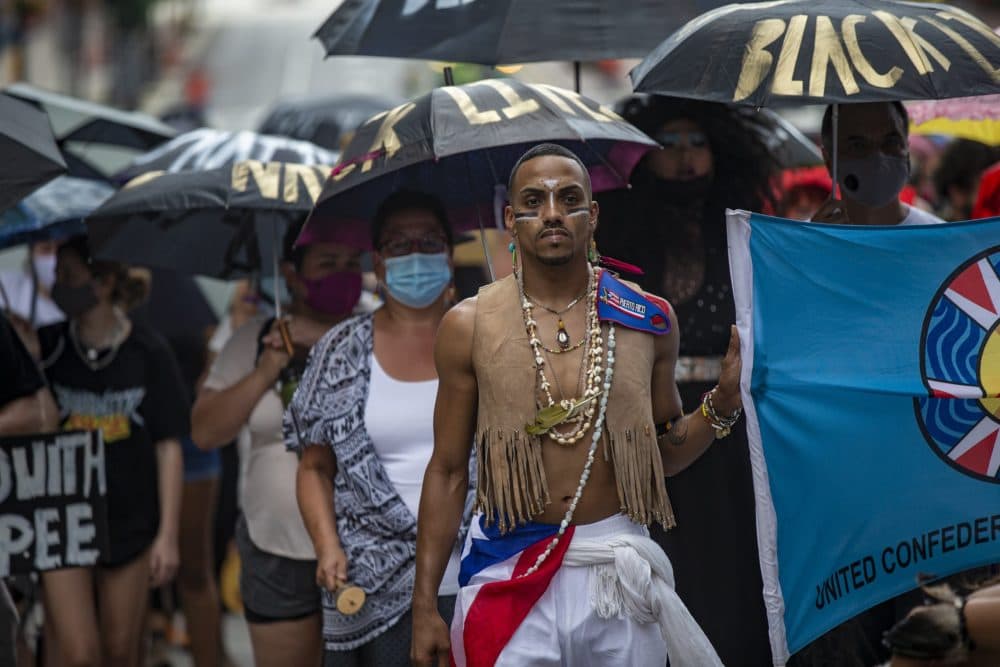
<point>559,375</point>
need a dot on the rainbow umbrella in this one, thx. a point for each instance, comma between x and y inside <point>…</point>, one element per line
<point>975,118</point>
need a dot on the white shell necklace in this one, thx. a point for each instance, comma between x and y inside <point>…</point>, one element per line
<point>595,437</point>
<point>580,412</point>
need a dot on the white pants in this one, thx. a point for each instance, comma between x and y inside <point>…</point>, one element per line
<point>610,604</point>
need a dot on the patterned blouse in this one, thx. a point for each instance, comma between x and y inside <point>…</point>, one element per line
<point>377,530</point>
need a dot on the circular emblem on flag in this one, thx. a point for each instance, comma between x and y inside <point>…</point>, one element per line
<point>960,363</point>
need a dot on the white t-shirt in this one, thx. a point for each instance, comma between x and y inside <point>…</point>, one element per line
<point>399,418</point>
<point>267,484</point>
<point>917,216</point>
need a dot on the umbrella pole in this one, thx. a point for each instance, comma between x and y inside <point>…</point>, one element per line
<point>482,226</point>
<point>34,290</point>
<point>286,337</point>
<point>449,76</point>
<point>833,159</point>
<point>275,269</point>
<point>6,300</point>
<point>576,76</point>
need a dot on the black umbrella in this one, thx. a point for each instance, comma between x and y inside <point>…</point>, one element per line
<point>825,51</point>
<point>786,142</point>
<point>790,147</point>
<point>323,121</point>
<point>460,142</point>
<point>176,307</point>
<point>212,149</point>
<point>95,139</point>
<point>492,32</point>
<point>224,223</point>
<point>31,156</point>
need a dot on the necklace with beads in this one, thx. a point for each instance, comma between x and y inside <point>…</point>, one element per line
<point>562,336</point>
<point>579,413</point>
<point>585,475</point>
<point>568,410</point>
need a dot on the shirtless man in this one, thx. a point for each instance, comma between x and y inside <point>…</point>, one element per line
<point>563,376</point>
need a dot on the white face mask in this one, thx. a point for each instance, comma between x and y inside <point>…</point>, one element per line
<point>45,269</point>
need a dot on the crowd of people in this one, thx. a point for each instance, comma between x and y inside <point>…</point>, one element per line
<point>387,450</point>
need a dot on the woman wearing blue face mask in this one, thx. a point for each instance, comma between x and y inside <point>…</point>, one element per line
<point>362,418</point>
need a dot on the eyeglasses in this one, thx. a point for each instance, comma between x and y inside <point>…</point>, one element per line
<point>427,245</point>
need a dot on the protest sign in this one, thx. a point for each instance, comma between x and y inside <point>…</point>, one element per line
<point>53,510</point>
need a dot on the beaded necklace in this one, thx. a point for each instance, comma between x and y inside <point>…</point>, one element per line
<point>585,411</point>
<point>578,412</point>
<point>585,476</point>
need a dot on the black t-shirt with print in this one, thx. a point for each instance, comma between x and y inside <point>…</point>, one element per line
<point>137,400</point>
<point>20,375</point>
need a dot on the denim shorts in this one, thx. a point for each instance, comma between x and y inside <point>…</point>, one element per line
<point>198,463</point>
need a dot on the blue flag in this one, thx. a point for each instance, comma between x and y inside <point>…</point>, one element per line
<point>871,381</point>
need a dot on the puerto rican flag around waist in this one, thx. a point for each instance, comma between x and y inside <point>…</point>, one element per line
<point>490,613</point>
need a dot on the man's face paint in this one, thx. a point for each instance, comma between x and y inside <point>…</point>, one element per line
<point>570,197</point>
<point>550,185</point>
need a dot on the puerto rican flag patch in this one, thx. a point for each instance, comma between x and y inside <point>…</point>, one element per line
<point>619,303</point>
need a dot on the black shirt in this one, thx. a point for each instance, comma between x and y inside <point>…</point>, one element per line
<point>20,375</point>
<point>137,400</point>
<point>640,230</point>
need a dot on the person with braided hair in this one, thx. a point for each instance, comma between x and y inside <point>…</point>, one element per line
<point>671,223</point>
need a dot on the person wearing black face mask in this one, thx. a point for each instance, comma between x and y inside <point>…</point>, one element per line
<point>873,166</point>
<point>671,223</point>
<point>109,373</point>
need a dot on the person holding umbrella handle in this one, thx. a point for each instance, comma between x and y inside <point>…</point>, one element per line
<point>874,165</point>
<point>246,391</point>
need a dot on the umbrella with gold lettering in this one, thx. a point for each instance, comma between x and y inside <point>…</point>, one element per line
<point>823,52</point>
<point>460,142</point>
<point>224,222</point>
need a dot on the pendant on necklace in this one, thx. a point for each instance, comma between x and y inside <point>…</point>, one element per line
<point>562,336</point>
<point>92,354</point>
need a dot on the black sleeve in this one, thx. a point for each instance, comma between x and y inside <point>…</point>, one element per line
<point>166,407</point>
<point>18,370</point>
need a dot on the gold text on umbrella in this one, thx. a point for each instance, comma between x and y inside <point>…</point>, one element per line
<point>843,51</point>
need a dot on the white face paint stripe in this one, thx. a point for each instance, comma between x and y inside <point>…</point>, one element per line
<point>550,184</point>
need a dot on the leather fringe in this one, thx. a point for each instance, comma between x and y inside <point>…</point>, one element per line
<point>639,476</point>
<point>513,489</point>
<point>512,486</point>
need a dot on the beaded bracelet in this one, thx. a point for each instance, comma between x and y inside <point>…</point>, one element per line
<point>722,426</point>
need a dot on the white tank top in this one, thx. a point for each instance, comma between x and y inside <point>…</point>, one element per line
<point>399,418</point>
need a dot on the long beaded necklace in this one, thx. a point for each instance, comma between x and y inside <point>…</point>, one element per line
<point>562,336</point>
<point>579,413</point>
<point>585,475</point>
